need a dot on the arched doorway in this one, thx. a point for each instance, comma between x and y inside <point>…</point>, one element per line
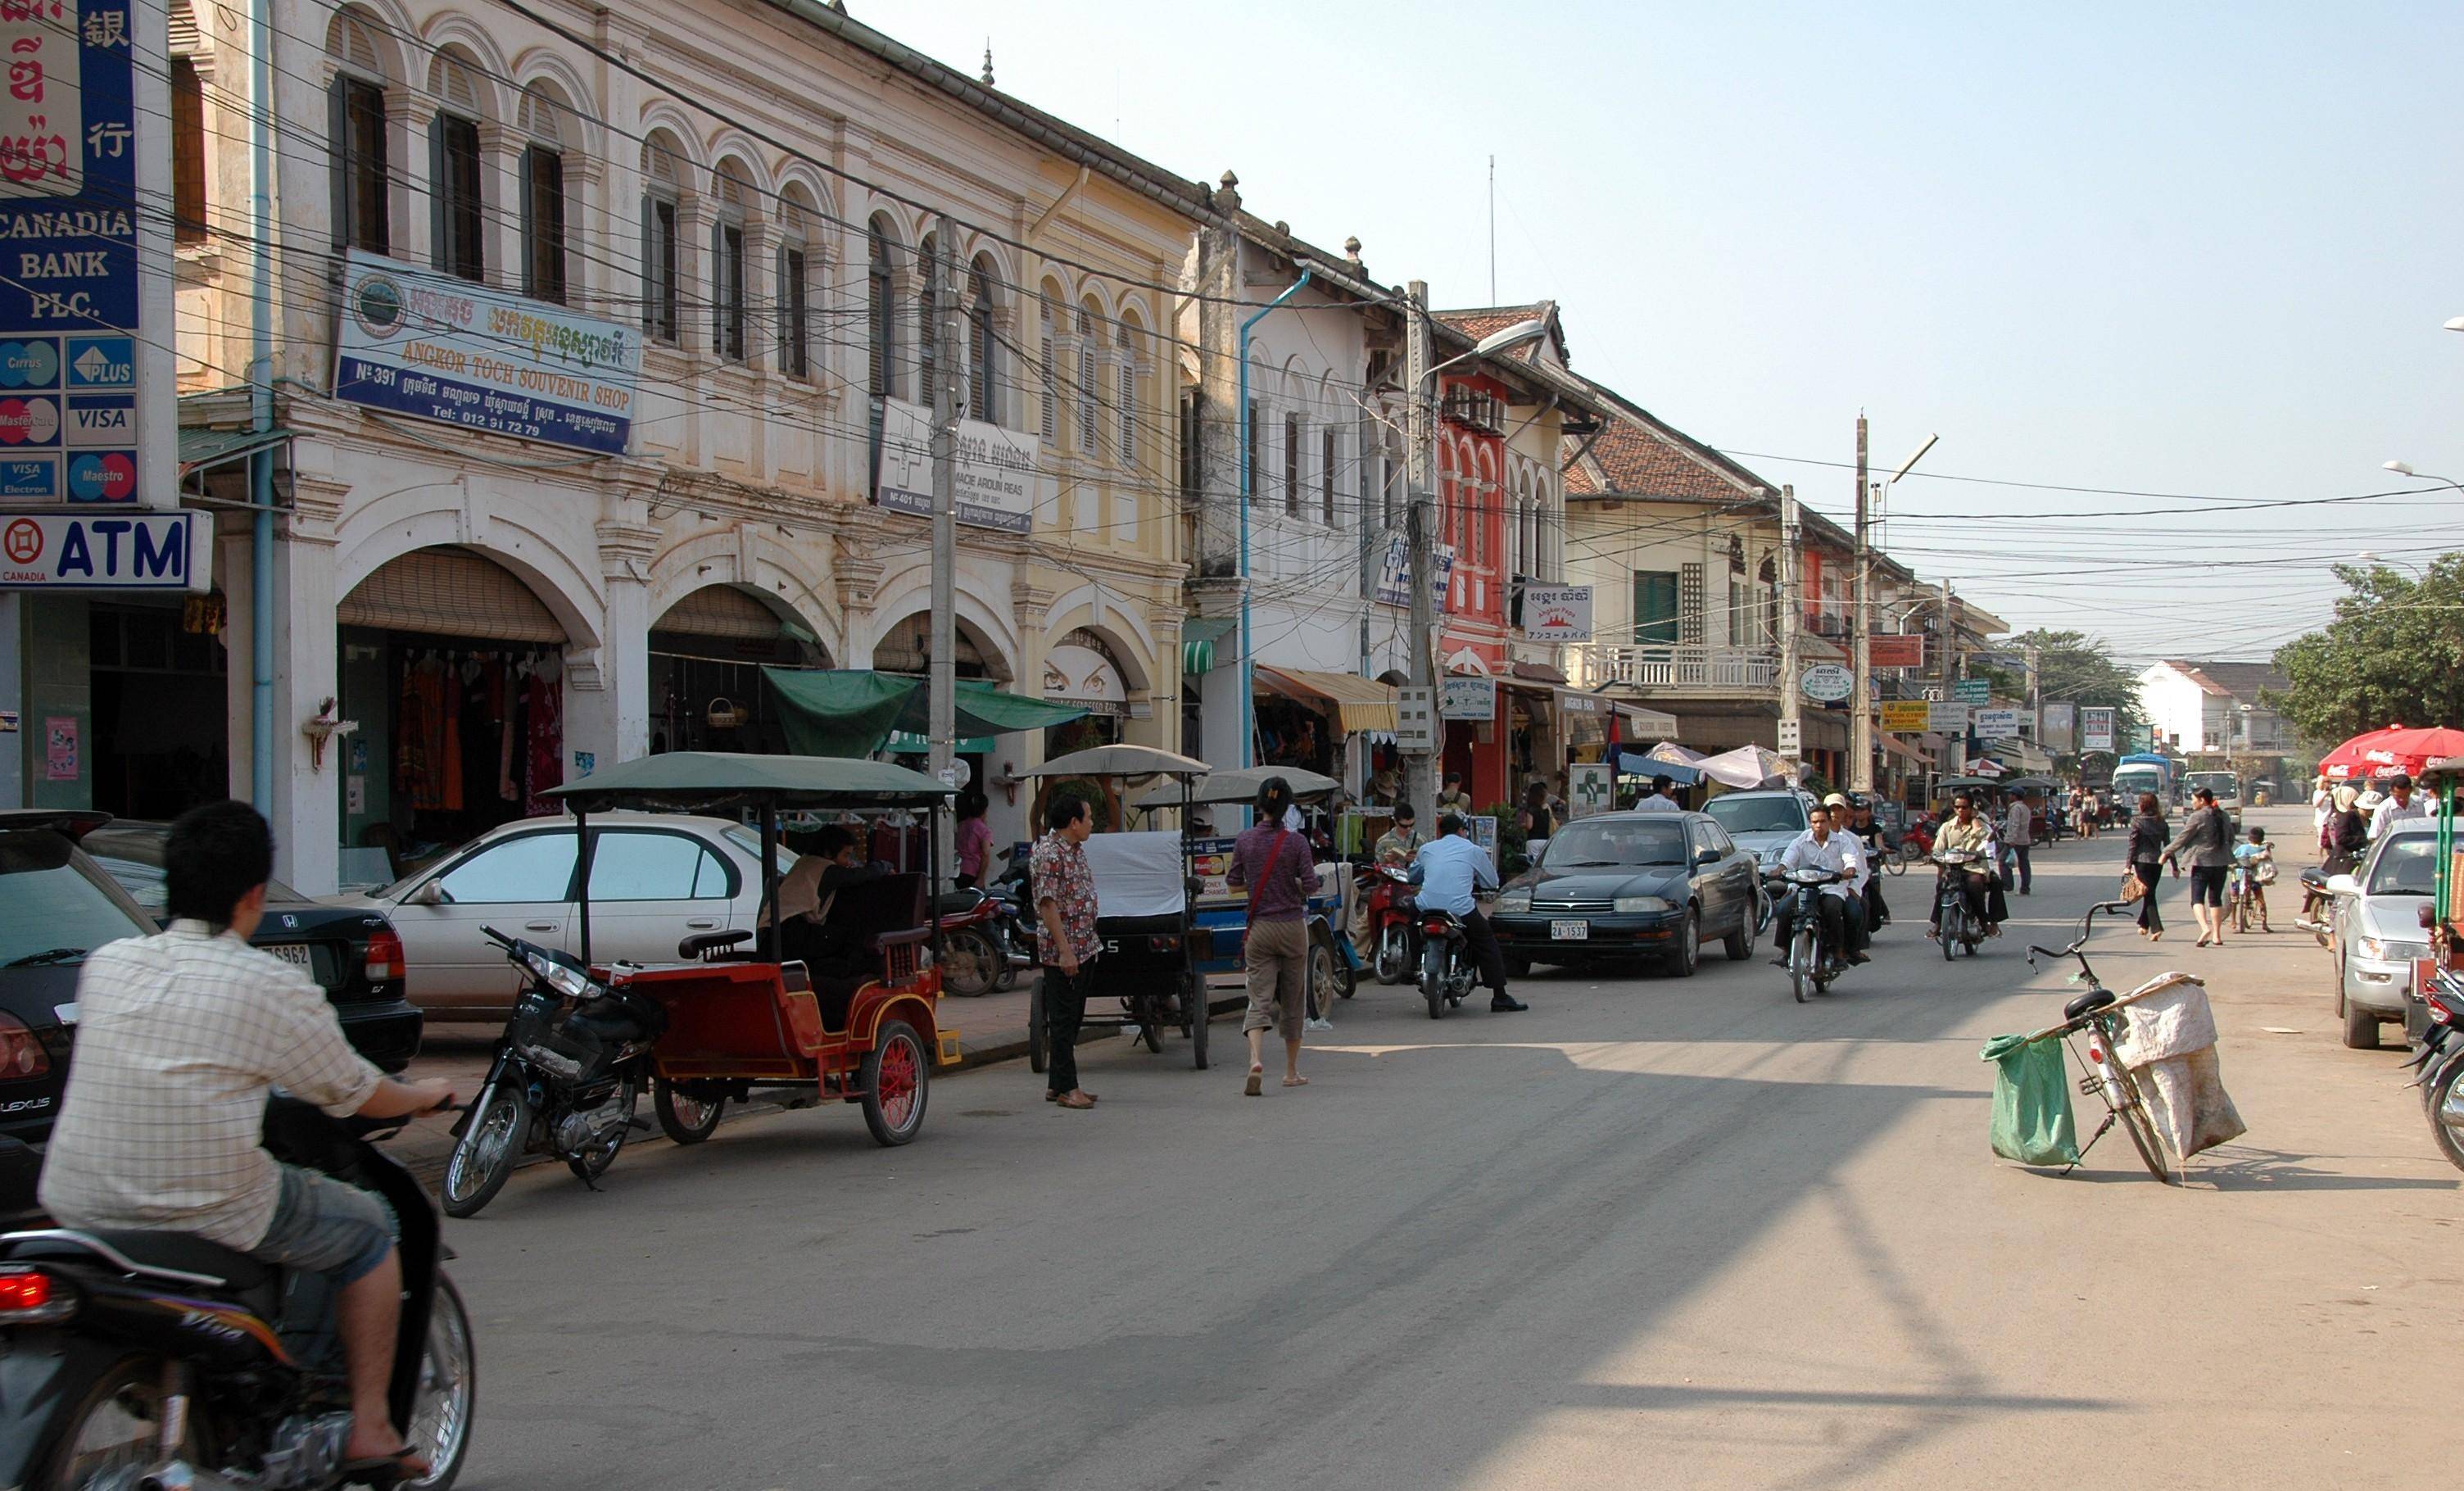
<point>453,670</point>
<point>907,647</point>
<point>706,652</point>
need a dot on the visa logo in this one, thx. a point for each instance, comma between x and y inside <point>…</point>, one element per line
<point>105,421</point>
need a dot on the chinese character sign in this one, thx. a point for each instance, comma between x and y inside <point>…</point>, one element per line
<point>42,115</point>
<point>2096,729</point>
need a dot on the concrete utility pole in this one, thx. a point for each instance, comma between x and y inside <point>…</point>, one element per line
<point>2036,704</point>
<point>942,743</point>
<point>1792,614</point>
<point>1860,697</point>
<point>1420,775</point>
<point>1953,750</point>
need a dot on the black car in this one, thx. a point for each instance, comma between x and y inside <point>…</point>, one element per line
<point>57,903</point>
<point>1632,884</point>
<point>354,954</point>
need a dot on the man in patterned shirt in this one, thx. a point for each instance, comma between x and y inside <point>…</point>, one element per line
<point>179,1038</point>
<point>1065,913</point>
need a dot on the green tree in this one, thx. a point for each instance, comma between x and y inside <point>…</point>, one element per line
<point>2393,655</point>
<point>2075,668</point>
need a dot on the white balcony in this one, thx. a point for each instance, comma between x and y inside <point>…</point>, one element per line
<point>1675,668</point>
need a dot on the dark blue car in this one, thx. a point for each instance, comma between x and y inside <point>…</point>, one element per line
<point>1626,886</point>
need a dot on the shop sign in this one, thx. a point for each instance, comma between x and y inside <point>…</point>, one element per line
<point>1591,787</point>
<point>60,748</point>
<point>1972,691</point>
<point>1557,613</point>
<point>72,362</point>
<point>427,345</point>
<point>998,480</point>
<point>2055,732</point>
<point>1074,674</point>
<point>1827,683</point>
<point>1468,698</point>
<point>2096,729</point>
<point>1907,717</point>
<point>1897,648</point>
<point>1947,719</point>
<point>1792,737</point>
<point>1997,724</point>
<point>1416,718</point>
<point>1397,564</point>
<point>90,551</point>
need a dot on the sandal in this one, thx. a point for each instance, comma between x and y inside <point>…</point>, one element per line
<point>1296,1082</point>
<point>407,1464</point>
<point>1256,1086</point>
<point>1074,1100</point>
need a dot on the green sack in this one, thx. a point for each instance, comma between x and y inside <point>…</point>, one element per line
<point>2031,1102</point>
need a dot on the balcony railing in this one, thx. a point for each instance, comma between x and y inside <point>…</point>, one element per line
<point>1678,667</point>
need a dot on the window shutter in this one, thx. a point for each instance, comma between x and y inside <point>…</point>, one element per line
<point>780,280</point>
<point>1127,408</point>
<point>531,286</point>
<point>1689,603</point>
<point>649,267</point>
<point>1052,386</point>
<point>718,289</point>
<point>338,148</point>
<point>439,253</point>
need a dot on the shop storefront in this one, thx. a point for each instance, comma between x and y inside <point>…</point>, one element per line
<point>706,652</point>
<point>1322,721</point>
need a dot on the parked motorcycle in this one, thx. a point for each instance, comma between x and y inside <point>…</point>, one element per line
<point>565,1080</point>
<point>1958,929</point>
<point>1394,922</point>
<point>2440,1061</point>
<point>973,958</point>
<point>2316,904</point>
<point>156,1359</point>
<point>1813,963</point>
<point>1447,972</point>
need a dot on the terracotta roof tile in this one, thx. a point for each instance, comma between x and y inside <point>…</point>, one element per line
<point>1488,321</point>
<point>1633,459</point>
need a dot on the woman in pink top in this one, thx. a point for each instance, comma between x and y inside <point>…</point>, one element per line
<point>974,838</point>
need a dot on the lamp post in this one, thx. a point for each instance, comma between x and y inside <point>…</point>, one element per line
<point>1860,655</point>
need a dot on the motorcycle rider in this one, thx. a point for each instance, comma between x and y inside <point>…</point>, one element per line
<point>1843,916</point>
<point>180,1038</point>
<point>1449,870</point>
<point>1966,829</point>
<point>1868,828</point>
<point>1395,846</point>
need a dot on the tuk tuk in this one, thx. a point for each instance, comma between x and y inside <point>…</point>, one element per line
<point>861,1025</point>
<point>1221,914</point>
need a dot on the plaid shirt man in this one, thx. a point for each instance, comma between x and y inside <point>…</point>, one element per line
<point>1060,875</point>
<point>179,1036</point>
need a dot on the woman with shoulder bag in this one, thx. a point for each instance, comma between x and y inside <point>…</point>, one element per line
<point>1274,864</point>
<point>2346,838</point>
<point>2145,858</point>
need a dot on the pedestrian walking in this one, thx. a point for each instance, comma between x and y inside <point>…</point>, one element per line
<point>2019,832</point>
<point>2145,856</point>
<point>1660,799</point>
<point>1274,865</point>
<point>2345,837</point>
<point>974,838</point>
<point>1064,939</point>
<point>1452,798</point>
<point>2207,835</point>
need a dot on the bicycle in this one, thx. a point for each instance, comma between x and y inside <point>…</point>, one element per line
<point>2094,1018</point>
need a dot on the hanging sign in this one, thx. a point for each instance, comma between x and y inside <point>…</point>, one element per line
<point>1897,649</point>
<point>1557,613</point>
<point>2096,729</point>
<point>431,345</point>
<point>1997,724</point>
<point>1972,691</point>
<point>1468,698</point>
<point>1075,673</point>
<point>1827,683</point>
<point>1947,719</point>
<point>102,551</point>
<point>1397,564</point>
<point>998,480</point>
<point>1589,788</point>
<point>1907,717</point>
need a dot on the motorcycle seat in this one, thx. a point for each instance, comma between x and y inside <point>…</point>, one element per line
<point>2092,1001</point>
<point>174,1250</point>
<point>954,903</point>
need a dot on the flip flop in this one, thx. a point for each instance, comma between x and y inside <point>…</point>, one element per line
<point>1296,1082</point>
<point>1256,1086</point>
<point>384,1470</point>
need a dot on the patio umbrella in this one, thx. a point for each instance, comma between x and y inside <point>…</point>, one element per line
<point>1241,785</point>
<point>1745,766</point>
<point>1675,755</point>
<point>2380,753</point>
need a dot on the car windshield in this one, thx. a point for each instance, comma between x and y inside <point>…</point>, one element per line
<point>1761,815</point>
<point>2406,867</point>
<point>53,909</point>
<point>1615,845</point>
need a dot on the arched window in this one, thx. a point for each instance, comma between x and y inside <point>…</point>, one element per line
<point>983,345</point>
<point>662,212</point>
<point>881,310</point>
<point>797,214</point>
<point>357,135</point>
<point>727,272</point>
<point>1125,393</point>
<point>1048,369</point>
<point>456,179</point>
<point>1089,425</point>
<point>928,322</point>
<point>545,264</point>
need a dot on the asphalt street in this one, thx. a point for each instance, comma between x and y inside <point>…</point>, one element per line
<point>1656,1232</point>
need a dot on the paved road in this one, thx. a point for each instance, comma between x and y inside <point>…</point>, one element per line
<point>1653,1233</point>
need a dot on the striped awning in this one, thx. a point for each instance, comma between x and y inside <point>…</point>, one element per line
<point>1359,703</point>
<point>1198,635</point>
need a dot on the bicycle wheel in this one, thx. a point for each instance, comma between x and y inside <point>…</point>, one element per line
<point>1895,863</point>
<point>2133,1113</point>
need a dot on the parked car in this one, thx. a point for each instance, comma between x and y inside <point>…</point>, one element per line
<point>1763,822</point>
<point>655,878</point>
<point>353,954</point>
<point>1632,884</point>
<point>2378,930</point>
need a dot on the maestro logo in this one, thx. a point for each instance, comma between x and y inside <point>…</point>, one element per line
<point>23,540</point>
<point>377,305</point>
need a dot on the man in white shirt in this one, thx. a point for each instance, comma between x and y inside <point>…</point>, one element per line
<point>2403,804</point>
<point>179,1037</point>
<point>1843,915</point>
<point>2018,833</point>
<point>1660,799</point>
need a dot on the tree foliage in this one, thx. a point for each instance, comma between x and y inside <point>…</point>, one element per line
<point>2394,655</point>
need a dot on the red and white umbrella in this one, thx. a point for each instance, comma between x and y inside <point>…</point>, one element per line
<point>2382,753</point>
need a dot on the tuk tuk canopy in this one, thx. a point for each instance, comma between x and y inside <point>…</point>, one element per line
<point>853,712</point>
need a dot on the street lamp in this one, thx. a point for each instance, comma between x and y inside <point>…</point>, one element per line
<point>2456,323</point>
<point>2405,469</point>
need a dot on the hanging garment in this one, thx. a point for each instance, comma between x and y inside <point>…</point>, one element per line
<point>544,706</point>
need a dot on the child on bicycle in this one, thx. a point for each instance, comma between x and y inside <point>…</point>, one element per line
<point>2248,859</point>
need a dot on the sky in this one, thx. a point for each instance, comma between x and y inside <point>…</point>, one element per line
<point>2200,254</point>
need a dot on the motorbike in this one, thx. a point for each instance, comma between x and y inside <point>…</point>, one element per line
<point>565,1080</point>
<point>1447,972</point>
<point>1013,925</point>
<point>973,955</point>
<point>2440,1059</point>
<point>1958,929</point>
<point>1394,922</point>
<point>156,1359</point>
<point>1812,961</point>
<point>2317,904</point>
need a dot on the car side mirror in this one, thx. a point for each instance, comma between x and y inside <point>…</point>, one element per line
<point>1706,856</point>
<point>2344,884</point>
<point>429,892</point>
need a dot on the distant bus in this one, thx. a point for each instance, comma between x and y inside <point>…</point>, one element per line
<point>2134,774</point>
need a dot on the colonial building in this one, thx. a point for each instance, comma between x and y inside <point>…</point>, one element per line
<point>499,604</point>
<point>2214,710</point>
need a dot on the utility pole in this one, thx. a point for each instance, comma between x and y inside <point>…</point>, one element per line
<point>942,742</point>
<point>1791,615</point>
<point>2036,703</point>
<point>1419,783</point>
<point>1861,696</point>
<point>1952,749</point>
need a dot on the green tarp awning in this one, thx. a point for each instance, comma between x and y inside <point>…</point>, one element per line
<point>854,711</point>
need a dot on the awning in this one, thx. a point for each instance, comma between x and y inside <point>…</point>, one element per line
<point>449,592</point>
<point>853,712</point>
<point>1896,746</point>
<point>1198,635</point>
<point>1359,703</point>
<point>1538,672</point>
<point>201,448</point>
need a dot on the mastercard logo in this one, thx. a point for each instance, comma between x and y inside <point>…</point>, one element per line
<point>28,421</point>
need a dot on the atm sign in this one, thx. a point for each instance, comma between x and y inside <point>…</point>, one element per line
<point>124,551</point>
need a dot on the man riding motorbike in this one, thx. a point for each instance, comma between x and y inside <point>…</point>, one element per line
<point>1450,869</point>
<point>1869,830</point>
<point>1842,913</point>
<point>180,1038</point>
<point>1966,829</point>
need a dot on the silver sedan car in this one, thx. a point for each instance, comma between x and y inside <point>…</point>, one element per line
<point>2378,930</point>
<point>655,878</point>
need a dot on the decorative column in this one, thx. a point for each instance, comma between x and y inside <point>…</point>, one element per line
<point>413,235</point>
<point>607,688</point>
<point>500,227</point>
<point>308,784</point>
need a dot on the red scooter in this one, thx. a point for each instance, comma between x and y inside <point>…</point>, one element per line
<point>1394,922</point>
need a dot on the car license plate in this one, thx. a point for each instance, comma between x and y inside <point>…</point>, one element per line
<point>1570,932</point>
<point>291,953</point>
